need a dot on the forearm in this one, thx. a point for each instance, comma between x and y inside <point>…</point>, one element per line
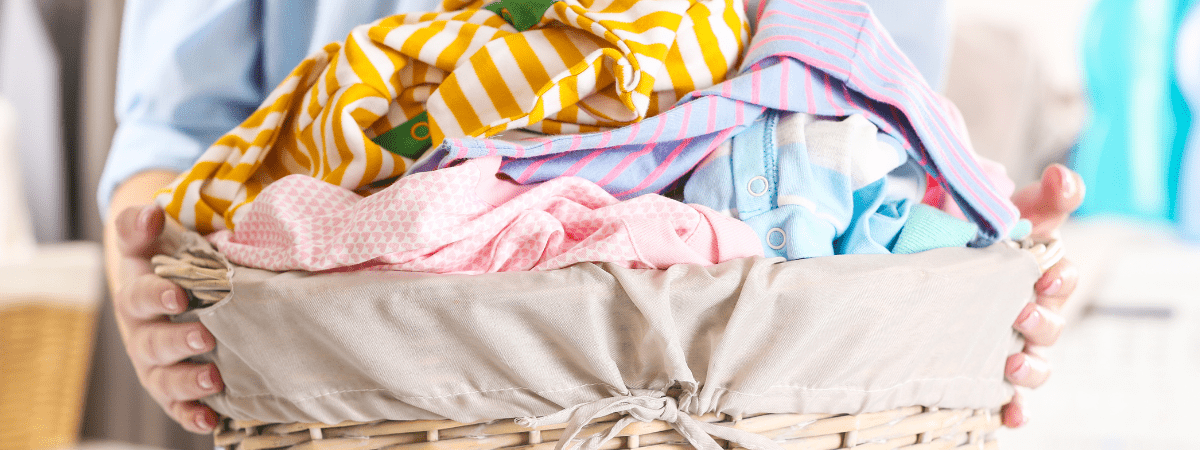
<point>136,191</point>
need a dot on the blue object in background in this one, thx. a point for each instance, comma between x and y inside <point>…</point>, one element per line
<point>1187,71</point>
<point>1131,151</point>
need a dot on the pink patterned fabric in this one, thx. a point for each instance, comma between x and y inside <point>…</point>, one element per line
<point>464,219</point>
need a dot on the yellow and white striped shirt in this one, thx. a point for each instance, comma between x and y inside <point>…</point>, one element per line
<point>587,65</point>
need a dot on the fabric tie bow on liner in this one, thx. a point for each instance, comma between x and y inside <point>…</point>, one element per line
<point>643,408</point>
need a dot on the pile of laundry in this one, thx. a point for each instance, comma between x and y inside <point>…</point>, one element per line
<point>535,134</point>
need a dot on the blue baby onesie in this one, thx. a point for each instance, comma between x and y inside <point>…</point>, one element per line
<point>812,186</point>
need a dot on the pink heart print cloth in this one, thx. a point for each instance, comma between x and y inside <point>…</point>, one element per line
<point>466,219</point>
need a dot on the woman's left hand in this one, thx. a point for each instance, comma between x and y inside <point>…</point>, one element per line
<point>1047,204</point>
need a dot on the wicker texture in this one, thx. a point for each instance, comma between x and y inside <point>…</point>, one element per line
<point>908,428</point>
<point>44,352</point>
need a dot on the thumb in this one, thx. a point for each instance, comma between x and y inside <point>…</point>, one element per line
<point>138,228</point>
<point>1049,202</point>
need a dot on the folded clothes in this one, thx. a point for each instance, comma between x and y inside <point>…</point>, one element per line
<point>473,70</point>
<point>464,219</point>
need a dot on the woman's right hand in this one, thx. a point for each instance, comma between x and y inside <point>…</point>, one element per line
<point>158,347</point>
<point>142,301</point>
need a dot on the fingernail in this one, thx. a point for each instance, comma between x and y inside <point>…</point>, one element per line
<point>170,302</point>
<point>205,380</point>
<point>144,216</point>
<point>1030,323</point>
<point>195,341</point>
<point>1053,287</point>
<point>1021,372</point>
<point>1068,183</point>
<point>202,423</point>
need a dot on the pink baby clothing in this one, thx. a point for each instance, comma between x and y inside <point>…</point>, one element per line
<point>466,219</point>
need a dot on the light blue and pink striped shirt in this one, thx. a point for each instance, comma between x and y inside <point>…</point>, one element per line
<point>821,57</point>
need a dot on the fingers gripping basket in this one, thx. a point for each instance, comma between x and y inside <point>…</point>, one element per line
<point>862,351</point>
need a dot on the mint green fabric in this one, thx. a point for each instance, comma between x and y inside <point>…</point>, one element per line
<point>928,228</point>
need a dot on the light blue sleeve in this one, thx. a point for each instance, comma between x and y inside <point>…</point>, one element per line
<point>922,29</point>
<point>188,71</point>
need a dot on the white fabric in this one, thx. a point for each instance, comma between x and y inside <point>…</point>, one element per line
<point>63,274</point>
<point>29,80</point>
<point>841,334</point>
<point>16,230</point>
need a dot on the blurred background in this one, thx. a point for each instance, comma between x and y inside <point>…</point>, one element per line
<point>1106,86</point>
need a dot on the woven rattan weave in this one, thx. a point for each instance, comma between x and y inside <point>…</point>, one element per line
<point>45,347</point>
<point>909,428</point>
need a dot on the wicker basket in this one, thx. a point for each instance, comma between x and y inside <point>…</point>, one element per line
<point>44,350</point>
<point>914,427</point>
<point>47,317</point>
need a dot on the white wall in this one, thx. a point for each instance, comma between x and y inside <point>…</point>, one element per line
<point>29,79</point>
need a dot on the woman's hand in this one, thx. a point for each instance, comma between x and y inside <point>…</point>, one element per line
<point>157,347</point>
<point>1047,204</point>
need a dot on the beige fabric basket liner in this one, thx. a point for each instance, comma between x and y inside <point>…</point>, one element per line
<point>844,334</point>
